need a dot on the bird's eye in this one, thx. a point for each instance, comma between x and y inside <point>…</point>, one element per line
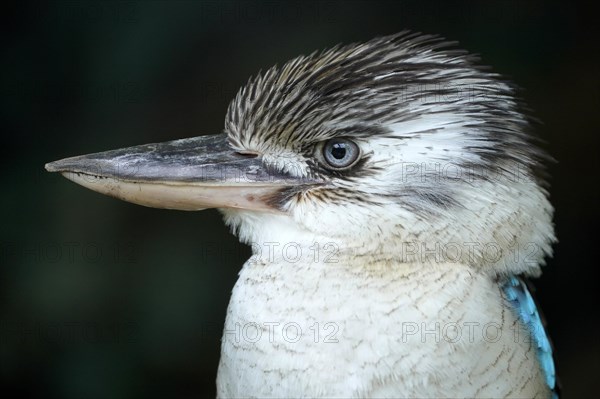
<point>340,153</point>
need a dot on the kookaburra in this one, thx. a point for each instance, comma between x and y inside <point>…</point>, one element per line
<point>391,195</point>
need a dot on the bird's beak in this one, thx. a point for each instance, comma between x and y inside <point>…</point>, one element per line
<point>188,174</point>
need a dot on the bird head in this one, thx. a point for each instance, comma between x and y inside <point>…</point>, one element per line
<point>400,149</point>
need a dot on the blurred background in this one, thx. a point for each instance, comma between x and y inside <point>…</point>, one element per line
<point>104,299</point>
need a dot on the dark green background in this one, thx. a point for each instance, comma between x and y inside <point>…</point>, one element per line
<point>104,299</point>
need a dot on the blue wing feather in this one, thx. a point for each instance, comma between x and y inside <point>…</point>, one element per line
<point>517,293</point>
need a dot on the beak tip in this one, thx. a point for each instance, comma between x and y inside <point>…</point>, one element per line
<point>62,165</point>
<point>51,167</point>
<point>57,166</point>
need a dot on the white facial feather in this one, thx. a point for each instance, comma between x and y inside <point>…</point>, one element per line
<point>502,224</point>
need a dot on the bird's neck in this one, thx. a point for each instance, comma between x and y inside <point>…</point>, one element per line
<point>278,239</point>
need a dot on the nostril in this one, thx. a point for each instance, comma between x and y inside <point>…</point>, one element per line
<point>247,154</point>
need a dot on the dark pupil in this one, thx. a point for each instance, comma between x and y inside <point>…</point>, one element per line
<point>339,150</point>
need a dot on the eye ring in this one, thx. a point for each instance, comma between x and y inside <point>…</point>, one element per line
<point>339,153</point>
